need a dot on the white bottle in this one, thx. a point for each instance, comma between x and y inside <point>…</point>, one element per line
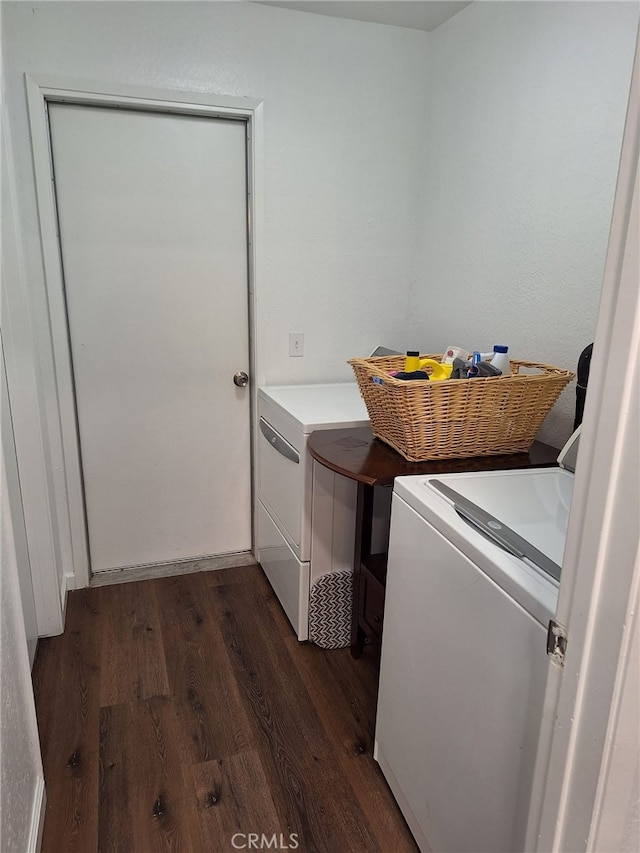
<point>501,359</point>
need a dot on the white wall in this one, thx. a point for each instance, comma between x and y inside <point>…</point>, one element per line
<point>343,127</point>
<point>21,778</point>
<point>525,111</point>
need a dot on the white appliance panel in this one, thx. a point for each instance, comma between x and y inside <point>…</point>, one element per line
<point>462,681</point>
<point>294,412</point>
<point>287,575</point>
<point>284,485</point>
<point>316,522</point>
<point>535,504</point>
<point>530,586</point>
<point>312,407</point>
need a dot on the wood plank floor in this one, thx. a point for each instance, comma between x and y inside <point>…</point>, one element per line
<point>182,714</point>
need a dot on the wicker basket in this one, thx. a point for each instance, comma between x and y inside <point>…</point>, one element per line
<point>456,418</point>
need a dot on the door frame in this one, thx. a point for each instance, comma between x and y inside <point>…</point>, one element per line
<point>42,90</point>
<point>588,739</point>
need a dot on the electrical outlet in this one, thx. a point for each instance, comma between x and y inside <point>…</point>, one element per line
<point>296,344</point>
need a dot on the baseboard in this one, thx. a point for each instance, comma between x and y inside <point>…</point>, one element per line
<point>68,583</point>
<point>37,818</point>
<point>172,569</point>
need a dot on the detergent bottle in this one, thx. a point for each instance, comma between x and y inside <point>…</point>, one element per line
<point>501,359</point>
<point>437,370</point>
<point>412,361</point>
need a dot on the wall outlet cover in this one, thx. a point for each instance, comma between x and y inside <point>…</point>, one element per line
<point>296,344</point>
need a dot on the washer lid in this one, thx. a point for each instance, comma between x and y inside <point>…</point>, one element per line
<point>497,531</point>
<point>534,503</point>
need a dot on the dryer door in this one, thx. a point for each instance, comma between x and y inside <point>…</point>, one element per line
<point>280,479</point>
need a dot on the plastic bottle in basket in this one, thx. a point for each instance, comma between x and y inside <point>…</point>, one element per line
<point>501,359</point>
<point>412,361</point>
<point>438,370</point>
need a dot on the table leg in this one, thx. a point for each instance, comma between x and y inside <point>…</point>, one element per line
<point>362,552</point>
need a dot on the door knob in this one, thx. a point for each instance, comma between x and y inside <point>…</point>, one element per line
<point>240,379</point>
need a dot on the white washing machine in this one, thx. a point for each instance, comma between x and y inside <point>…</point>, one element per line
<point>472,582</point>
<point>305,514</point>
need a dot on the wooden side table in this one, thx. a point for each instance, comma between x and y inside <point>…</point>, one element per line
<point>356,454</point>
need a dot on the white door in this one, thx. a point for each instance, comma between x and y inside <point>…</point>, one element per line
<point>152,210</point>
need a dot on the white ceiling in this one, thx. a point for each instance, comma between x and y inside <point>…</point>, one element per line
<point>414,14</point>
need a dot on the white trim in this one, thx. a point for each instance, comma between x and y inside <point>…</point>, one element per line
<point>599,569</point>
<point>44,89</point>
<point>25,392</point>
<point>68,583</point>
<point>58,322</point>
<point>71,90</point>
<point>255,225</point>
<point>38,810</point>
<point>174,569</point>
<point>615,825</point>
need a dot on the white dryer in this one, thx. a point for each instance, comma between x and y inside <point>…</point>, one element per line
<point>305,514</point>
<point>472,583</point>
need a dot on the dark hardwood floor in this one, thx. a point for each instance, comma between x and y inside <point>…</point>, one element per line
<point>182,714</point>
